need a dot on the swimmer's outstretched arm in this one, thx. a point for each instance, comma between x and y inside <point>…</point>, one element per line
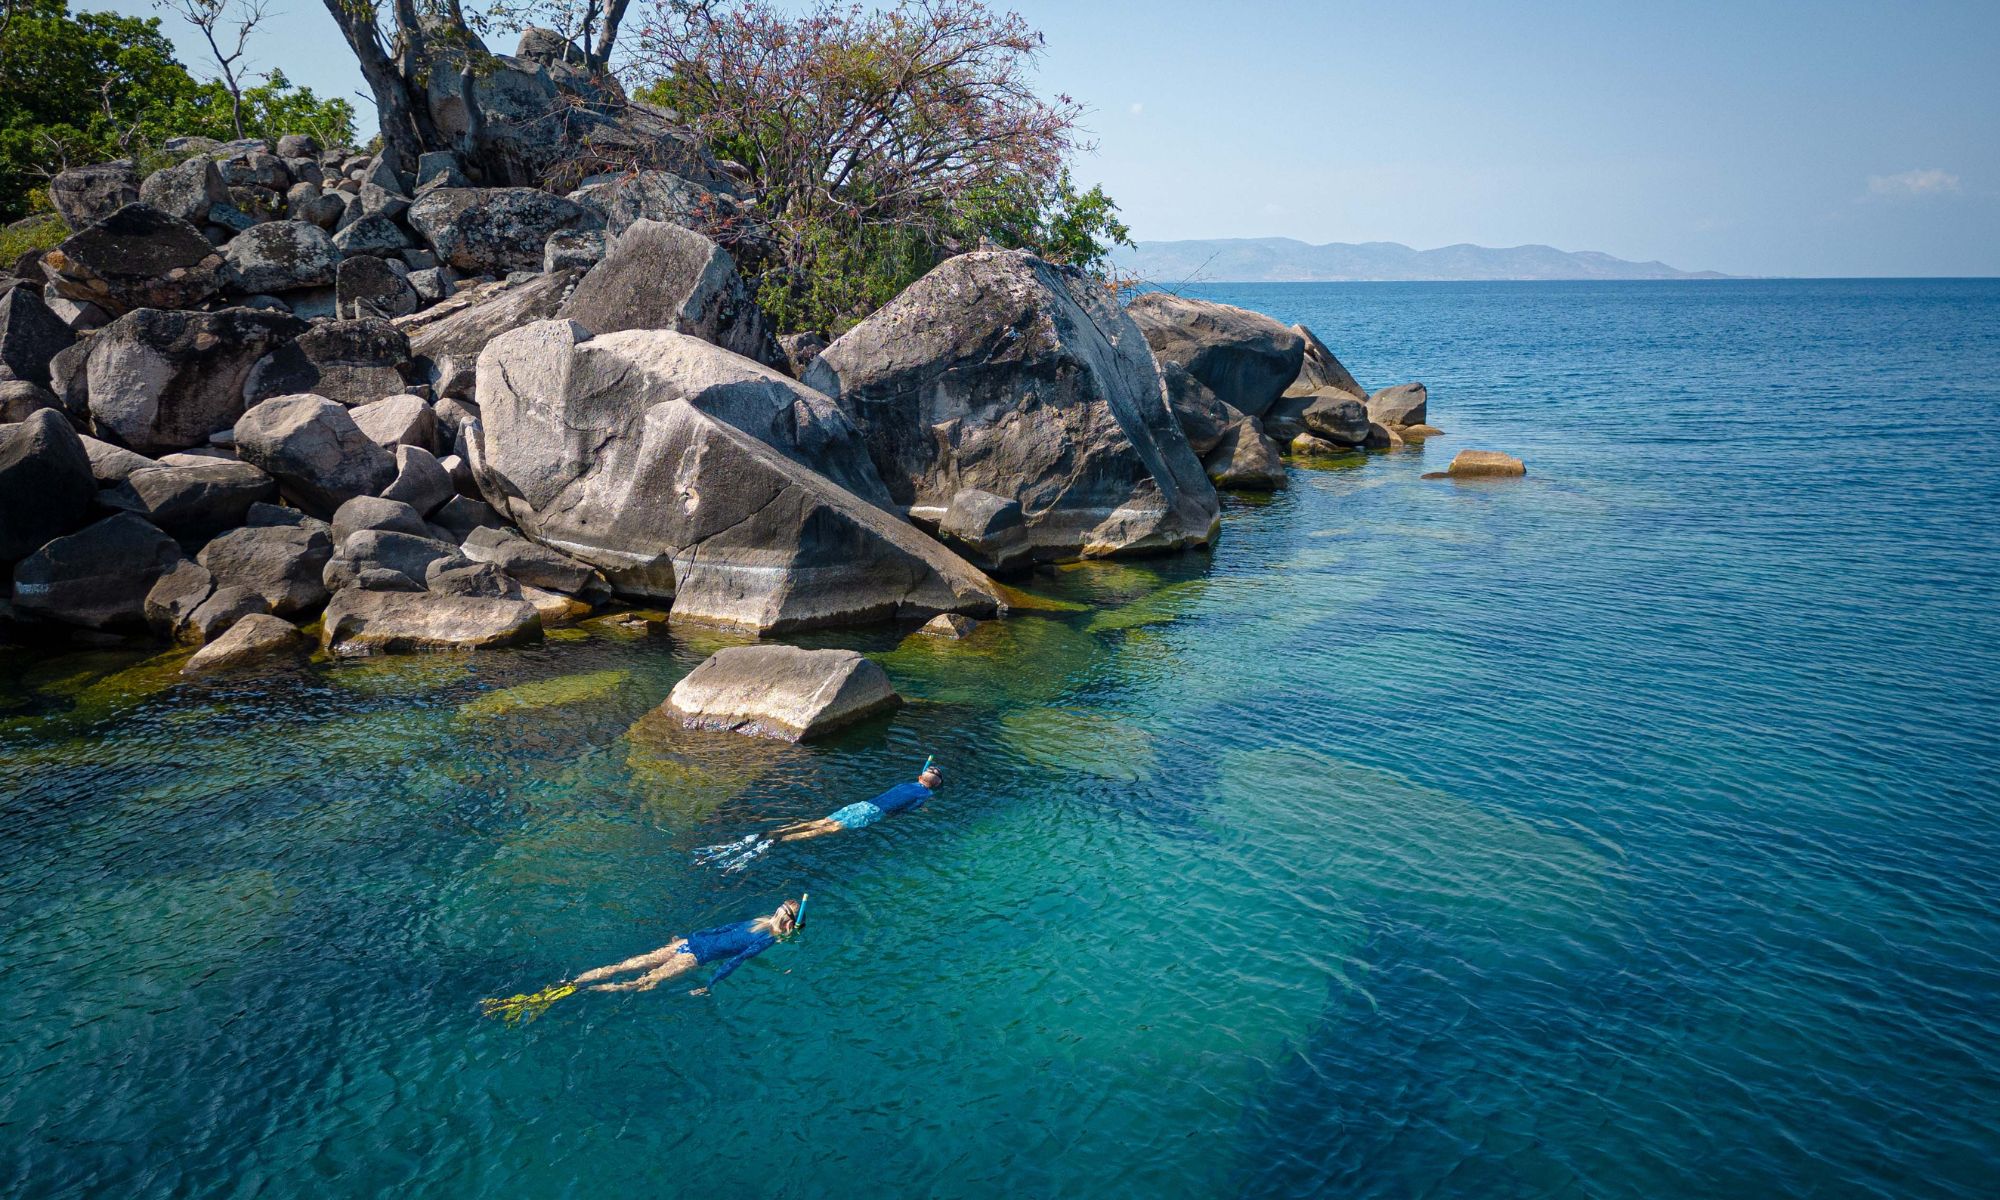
<point>722,972</point>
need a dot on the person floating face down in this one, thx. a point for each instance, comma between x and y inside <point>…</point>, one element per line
<point>862,813</point>
<point>733,945</point>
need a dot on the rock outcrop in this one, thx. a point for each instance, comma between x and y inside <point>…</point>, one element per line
<point>1002,373</point>
<point>1246,358</point>
<point>680,469</point>
<point>781,692</point>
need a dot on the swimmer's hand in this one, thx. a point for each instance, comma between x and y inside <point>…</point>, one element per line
<point>701,991</point>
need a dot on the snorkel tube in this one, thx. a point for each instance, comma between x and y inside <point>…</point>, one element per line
<point>799,917</point>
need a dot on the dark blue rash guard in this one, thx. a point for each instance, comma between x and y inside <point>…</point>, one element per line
<point>901,798</point>
<point>740,943</point>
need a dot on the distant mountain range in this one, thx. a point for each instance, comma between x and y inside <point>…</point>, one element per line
<point>1288,260</point>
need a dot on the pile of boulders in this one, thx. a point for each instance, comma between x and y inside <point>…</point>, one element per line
<point>275,384</point>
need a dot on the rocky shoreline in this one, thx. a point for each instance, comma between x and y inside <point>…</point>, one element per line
<point>276,393</point>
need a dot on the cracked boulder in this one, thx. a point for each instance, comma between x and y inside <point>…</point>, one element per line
<point>679,469</point>
<point>138,257</point>
<point>1246,358</point>
<point>1001,372</point>
<point>160,381</point>
<point>445,340</point>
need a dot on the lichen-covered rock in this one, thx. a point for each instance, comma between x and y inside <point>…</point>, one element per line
<point>373,234</point>
<point>445,340</point>
<point>1320,371</point>
<point>356,361</point>
<point>159,381</point>
<point>98,577</point>
<point>254,638</point>
<point>1001,372</point>
<point>195,501</point>
<point>660,276</point>
<point>45,483</point>
<point>1403,404</point>
<point>279,256</point>
<point>187,190</point>
<point>370,287</point>
<point>281,563</point>
<point>86,195</point>
<point>138,257</point>
<point>494,229</point>
<point>573,250</point>
<point>629,196</point>
<point>680,469</point>
<point>781,692</point>
<point>1246,358</point>
<point>360,622</point>
<point>319,456</point>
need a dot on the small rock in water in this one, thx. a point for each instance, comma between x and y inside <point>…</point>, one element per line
<point>1481,464</point>
<point>949,625</point>
<point>253,637</point>
<point>781,692</point>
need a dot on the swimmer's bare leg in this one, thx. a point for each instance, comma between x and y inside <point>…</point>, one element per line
<point>679,964</point>
<point>638,962</point>
<point>808,829</point>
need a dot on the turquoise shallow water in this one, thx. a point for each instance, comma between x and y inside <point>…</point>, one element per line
<point>1629,830</point>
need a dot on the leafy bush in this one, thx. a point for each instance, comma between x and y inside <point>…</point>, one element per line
<point>43,231</point>
<point>877,142</point>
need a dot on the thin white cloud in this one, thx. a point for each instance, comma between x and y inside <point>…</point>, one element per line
<point>1138,109</point>
<point>1927,182</point>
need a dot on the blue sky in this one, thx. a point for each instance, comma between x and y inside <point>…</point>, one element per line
<point>1762,138</point>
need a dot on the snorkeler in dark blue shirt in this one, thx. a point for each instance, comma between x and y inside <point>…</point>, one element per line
<point>738,944</point>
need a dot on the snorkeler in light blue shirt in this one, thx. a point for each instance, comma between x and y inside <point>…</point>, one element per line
<point>734,856</point>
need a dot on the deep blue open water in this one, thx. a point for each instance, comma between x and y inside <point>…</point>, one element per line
<point>1630,830</point>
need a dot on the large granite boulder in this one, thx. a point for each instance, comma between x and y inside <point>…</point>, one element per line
<point>445,340</point>
<point>279,256</point>
<point>224,607</point>
<point>111,464</point>
<point>1403,404</point>
<point>1000,372</point>
<point>193,502</point>
<point>1203,417</point>
<point>680,469</point>
<point>376,512</point>
<point>187,191</point>
<point>370,287</point>
<point>781,692</point>
<point>400,420</point>
<point>30,337</point>
<point>319,456</point>
<point>355,361</point>
<point>45,483</point>
<point>138,257</point>
<point>367,556</point>
<point>281,563</point>
<point>160,381</point>
<point>532,564</point>
<point>97,577</point>
<point>18,399</point>
<point>254,638</point>
<point>86,195</point>
<point>494,229</point>
<point>422,482</point>
<point>1320,371</point>
<point>1246,358</point>
<point>360,622</point>
<point>660,276</point>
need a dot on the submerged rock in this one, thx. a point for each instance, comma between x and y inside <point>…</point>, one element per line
<point>256,636</point>
<point>680,469</point>
<point>1000,372</point>
<point>949,625</point>
<point>781,692</point>
<point>359,622</point>
<point>1246,358</point>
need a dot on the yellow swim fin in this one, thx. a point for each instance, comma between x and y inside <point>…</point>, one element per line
<point>528,1005</point>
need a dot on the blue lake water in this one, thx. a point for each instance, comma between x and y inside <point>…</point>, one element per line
<point>1628,830</point>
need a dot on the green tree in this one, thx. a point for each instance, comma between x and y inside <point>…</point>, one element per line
<point>80,88</point>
